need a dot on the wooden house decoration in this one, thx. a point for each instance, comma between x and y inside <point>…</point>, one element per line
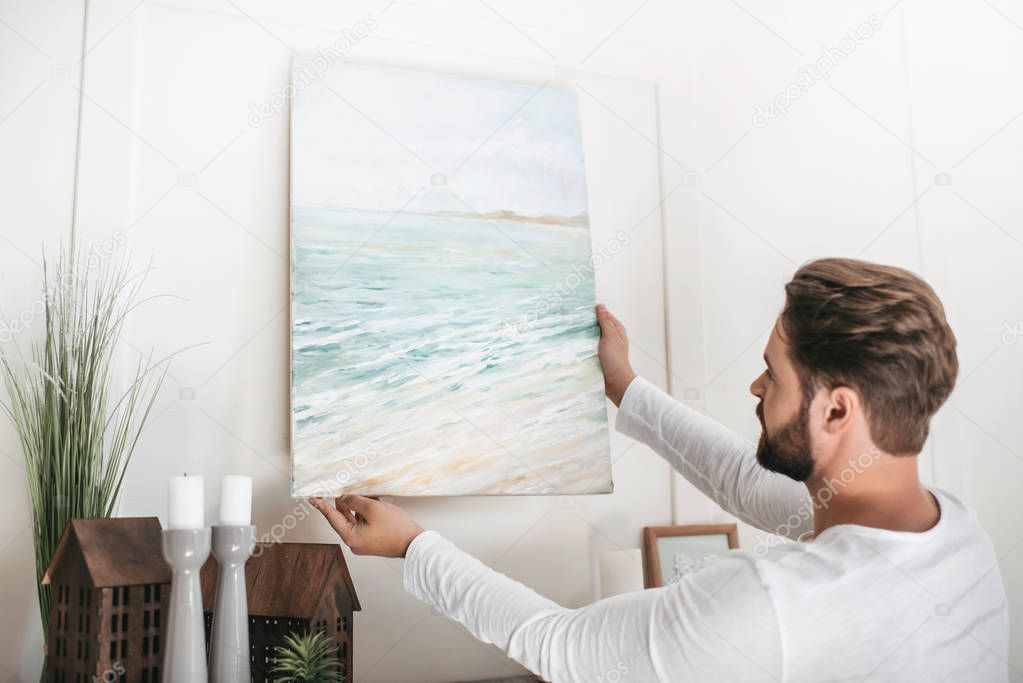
<point>292,588</point>
<point>110,588</point>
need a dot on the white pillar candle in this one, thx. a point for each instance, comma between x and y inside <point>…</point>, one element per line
<point>185,503</point>
<point>621,571</point>
<point>235,500</point>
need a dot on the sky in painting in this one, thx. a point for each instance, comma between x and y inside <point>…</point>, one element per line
<point>502,146</point>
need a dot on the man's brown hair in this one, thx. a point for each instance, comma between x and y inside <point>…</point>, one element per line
<point>880,330</point>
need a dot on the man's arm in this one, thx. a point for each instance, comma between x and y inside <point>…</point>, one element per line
<point>716,624</point>
<point>715,460</point>
<point>712,457</point>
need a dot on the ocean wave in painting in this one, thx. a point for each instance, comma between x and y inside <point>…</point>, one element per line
<point>437,353</point>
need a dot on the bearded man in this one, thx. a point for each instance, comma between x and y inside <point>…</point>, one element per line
<point>885,579</point>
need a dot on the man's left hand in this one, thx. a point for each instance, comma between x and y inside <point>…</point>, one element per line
<point>370,526</point>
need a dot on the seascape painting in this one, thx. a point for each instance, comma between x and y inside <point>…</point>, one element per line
<point>443,333</point>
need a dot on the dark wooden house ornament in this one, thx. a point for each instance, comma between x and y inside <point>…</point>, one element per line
<point>292,587</point>
<point>110,586</point>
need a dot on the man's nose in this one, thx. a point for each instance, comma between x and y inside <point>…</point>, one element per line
<point>757,387</point>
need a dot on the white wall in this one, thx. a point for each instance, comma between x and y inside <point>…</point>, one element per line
<point>967,124</point>
<point>849,170</point>
<point>39,47</point>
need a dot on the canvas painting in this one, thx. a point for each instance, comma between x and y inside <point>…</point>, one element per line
<point>443,332</point>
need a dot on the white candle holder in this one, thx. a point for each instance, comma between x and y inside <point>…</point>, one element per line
<point>229,642</point>
<point>184,658</point>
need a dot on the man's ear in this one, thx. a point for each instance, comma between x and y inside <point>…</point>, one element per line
<point>840,405</point>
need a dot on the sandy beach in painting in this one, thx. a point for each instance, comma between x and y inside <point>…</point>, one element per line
<point>443,343</point>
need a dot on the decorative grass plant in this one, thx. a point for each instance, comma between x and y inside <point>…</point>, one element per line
<point>309,658</point>
<point>76,431</point>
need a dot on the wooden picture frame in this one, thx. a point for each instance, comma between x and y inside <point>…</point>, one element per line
<point>652,546</point>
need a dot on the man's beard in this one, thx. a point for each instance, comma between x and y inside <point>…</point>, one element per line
<point>788,451</point>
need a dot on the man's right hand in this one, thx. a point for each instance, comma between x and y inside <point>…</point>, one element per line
<point>613,351</point>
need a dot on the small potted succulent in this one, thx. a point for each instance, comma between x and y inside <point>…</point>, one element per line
<point>307,658</point>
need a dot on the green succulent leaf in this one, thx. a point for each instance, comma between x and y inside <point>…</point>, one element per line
<point>307,658</point>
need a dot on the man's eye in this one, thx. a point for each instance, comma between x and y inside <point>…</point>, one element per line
<point>769,375</point>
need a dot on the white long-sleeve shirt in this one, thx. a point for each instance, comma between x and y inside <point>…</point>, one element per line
<point>852,604</point>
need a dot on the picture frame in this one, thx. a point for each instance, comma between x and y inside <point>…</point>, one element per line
<point>671,551</point>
